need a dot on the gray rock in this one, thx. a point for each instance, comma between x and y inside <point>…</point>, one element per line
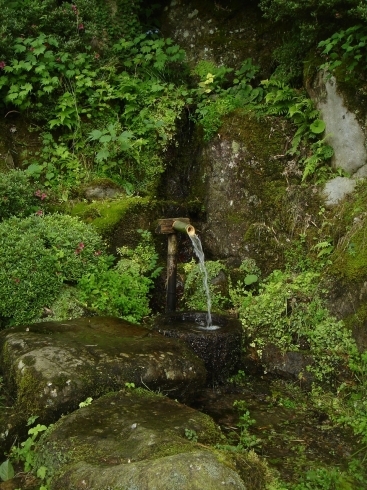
<point>51,367</point>
<point>336,189</point>
<point>343,130</point>
<point>288,365</point>
<point>101,192</point>
<point>135,440</point>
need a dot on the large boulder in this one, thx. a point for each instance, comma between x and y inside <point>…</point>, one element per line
<point>51,367</point>
<point>136,440</point>
<point>225,33</point>
<point>250,190</point>
<point>344,132</point>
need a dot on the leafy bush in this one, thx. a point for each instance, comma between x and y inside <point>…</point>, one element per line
<point>289,312</point>
<point>307,22</point>
<point>348,47</point>
<point>18,196</point>
<point>37,255</point>
<point>214,100</point>
<point>124,290</point>
<point>307,144</point>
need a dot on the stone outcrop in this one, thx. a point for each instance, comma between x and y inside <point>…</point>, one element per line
<point>343,131</point>
<point>136,440</point>
<point>51,367</point>
<point>225,33</point>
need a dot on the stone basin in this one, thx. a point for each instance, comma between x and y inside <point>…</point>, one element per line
<point>219,346</point>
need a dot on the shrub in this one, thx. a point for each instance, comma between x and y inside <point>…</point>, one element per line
<point>37,255</point>
<point>18,196</point>
<point>290,313</point>
<point>124,290</point>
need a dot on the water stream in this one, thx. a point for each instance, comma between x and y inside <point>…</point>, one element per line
<point>198,249</point>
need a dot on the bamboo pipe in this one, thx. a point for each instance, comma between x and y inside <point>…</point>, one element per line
<point>183,228</point>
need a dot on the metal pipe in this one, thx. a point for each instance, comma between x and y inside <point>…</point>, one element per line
<point>183,227</point>
<point>171,273</point>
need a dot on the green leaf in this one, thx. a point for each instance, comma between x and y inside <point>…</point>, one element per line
<point>19,48</point>
<point>6,471</point>
<point>318,126</point>
<point>39,50</point>
<point>106,138</point>
<point>34,169</point>
<point>37,429</point>
<point>95,135</point>
<point>102,155</point>
<point>250,279</point>
<point>41,472</point>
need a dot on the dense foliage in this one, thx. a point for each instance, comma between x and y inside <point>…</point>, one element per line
<point>123,291</point>
<point>90,73</point>
<point>308,22</point>
<point>20,197</point>
<point>39,254</point>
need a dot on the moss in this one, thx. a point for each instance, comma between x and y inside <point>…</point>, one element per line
<point>357,319</point>
<point>105,215</point>
<point>354,90</point>
<point>240,125</point>
<point>348,227</point>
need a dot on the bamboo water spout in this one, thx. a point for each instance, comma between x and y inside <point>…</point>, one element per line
<point>183,227</point>
<point>170,226</point>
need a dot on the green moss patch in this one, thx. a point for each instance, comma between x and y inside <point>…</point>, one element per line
<point>105,215</point>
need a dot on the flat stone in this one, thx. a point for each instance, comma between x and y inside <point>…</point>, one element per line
<point>135,439</point>
<point>51,367</point>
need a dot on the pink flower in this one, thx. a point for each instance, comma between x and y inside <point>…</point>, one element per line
<point>79,248</point>
<point>81,27</point>
<point>41,195</point>
<point>2,65</point>
<point>39,212</point>
<point>97,252</point>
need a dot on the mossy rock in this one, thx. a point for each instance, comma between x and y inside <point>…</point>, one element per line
<point>106,215</point>
<point>346,276</point>
<point>225,33</point>
<point>50,367</point>
<point>254,203</point>
<point>136,439</point>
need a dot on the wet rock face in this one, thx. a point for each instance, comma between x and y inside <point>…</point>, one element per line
<point>219,348</point>
<point>135,439</point>
<point>51,367</point>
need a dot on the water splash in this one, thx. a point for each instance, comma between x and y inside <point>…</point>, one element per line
<point>198,249</point>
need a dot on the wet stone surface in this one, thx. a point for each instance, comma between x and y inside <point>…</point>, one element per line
<point>49,368</point>
<point>218,346</point>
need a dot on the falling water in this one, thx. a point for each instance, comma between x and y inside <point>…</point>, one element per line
<point>198,249</point>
